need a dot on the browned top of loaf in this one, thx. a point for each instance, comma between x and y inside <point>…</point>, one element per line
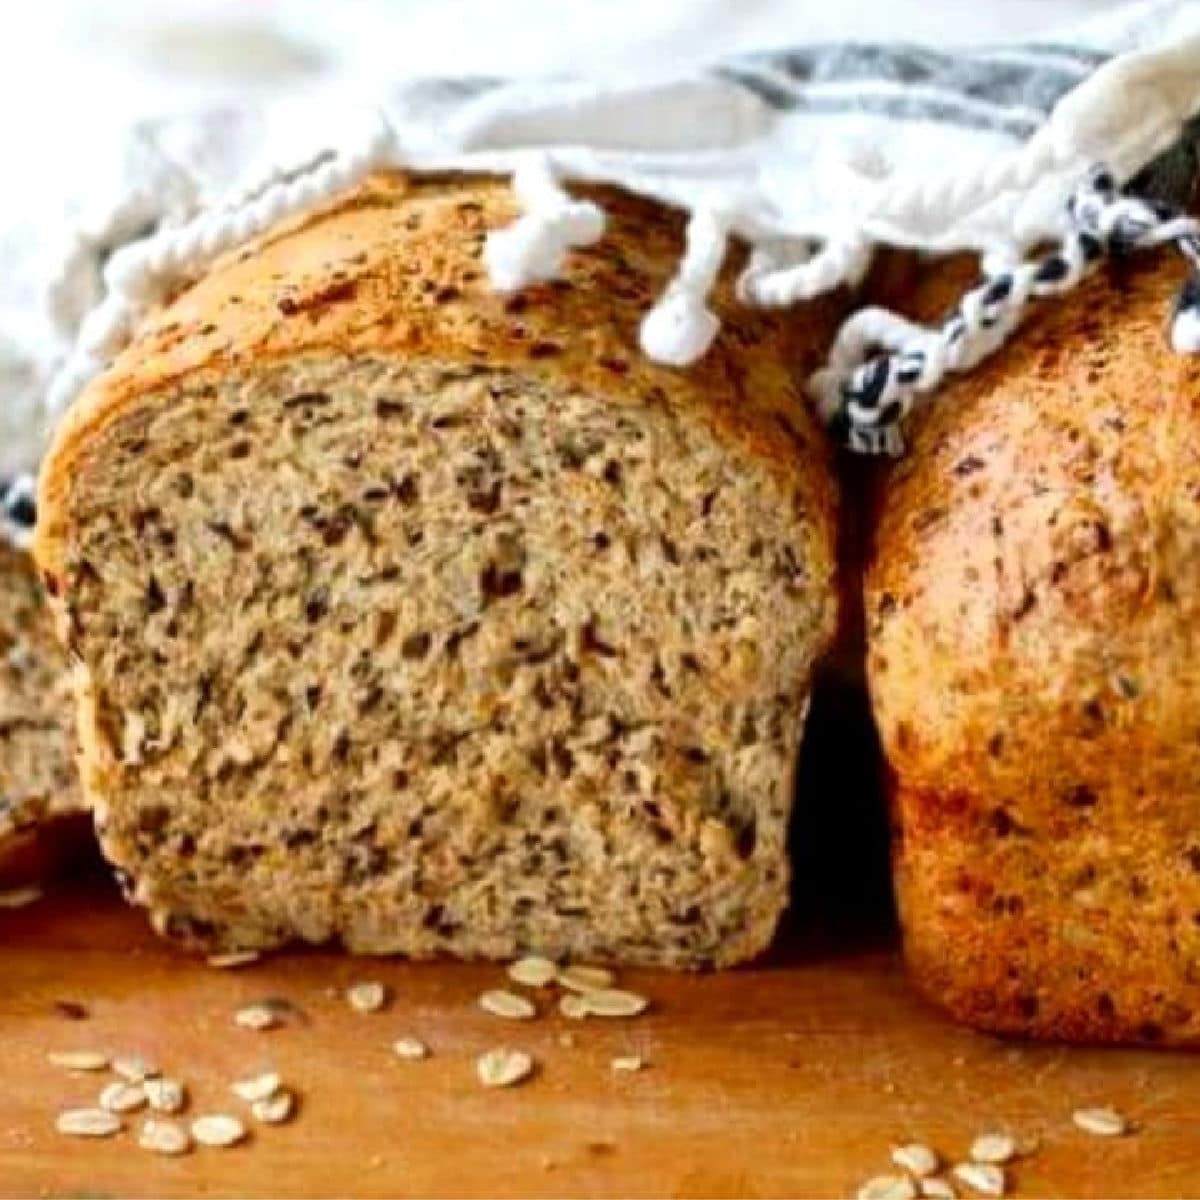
<point>394,268</point>
<point>1035,580</point>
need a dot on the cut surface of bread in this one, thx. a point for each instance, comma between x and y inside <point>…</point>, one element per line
<point>38,784</point>
<point>433,621</point>
<point>1033,609</point>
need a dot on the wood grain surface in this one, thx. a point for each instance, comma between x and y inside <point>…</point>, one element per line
<point>790,1079</point>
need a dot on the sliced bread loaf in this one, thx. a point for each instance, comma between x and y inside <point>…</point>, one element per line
<point>1033,609</point>
<point>432,620</point>
<point>38,784</point>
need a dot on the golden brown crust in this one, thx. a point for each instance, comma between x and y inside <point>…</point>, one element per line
<point>395,267</point>
<point>393,272</point>
<point>1033,608</point>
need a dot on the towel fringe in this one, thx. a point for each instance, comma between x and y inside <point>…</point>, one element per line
<point>18,511</point>
<point>680,327</point>
<point>141,274</point>
<point>532,248</point>
<point>864,396</point>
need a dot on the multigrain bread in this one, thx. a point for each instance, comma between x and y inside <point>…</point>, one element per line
<point>39,791</point>
<point>433,621</point>
<point>1033,608</point>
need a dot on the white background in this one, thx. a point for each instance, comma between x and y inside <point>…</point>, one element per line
<point>133,56</point>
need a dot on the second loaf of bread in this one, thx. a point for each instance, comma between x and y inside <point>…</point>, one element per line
<point>429,620</point>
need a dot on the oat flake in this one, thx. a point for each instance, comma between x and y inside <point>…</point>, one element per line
<point>585,979</point>
<point>612,1002</point>
<point>1101,1122</point>
<point>993,1148</point>
<point>20,897</point>
<point>628,1062</point>
<point>915,1158</point>
<point>257,1087</point>
<point>78,1060</point>
<point>533,971</point>
<point>887,1187</point>
<point>573,1006</point>
<point>503,1067</point>
<point>121,1096</point>
<point>88,1122</point>
<point>985,1178</point>
<point>410,1048</point>
<point>507,1004</point>
<point>134,1068</point>
<point>367,997</point>
<point>164,1137</point>
<point>256,1016</point>
<point>274,1110</point>
<point>218,1129</point>
<point>938,1188</point>
<point>235,958</point>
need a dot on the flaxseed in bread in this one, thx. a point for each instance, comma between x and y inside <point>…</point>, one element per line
<point>432,620</point>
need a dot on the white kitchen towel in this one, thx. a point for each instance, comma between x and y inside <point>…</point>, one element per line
<point>812,154</point>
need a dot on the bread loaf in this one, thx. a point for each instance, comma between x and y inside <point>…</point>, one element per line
<point>38,785</point>
<point>432,620</point>
<point>1033,609</point>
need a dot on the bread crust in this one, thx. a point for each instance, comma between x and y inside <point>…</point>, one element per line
<point>394,268</point>
<point>1033,609</point>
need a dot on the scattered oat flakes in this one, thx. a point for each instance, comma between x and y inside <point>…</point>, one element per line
<point>533,971</point>
<point>274,1110</point>
<point>134,1068</point>
<point>164,1137</point>
<point>613,1002</point>
<point>585,979</point>
<point>235,958</point>
<point>887,1187</point>
<point>986,1178</point>
<point>410,1048</point>
<point>367,997</point>
<point>507,1004</point>
<point>165,1095</point>
<point>915,1158</point>
<point>88,1122</point>
<point>218,1129</point>
<point>1101,1122</point>
<point>20,897</point>
<point>257,1087</point>
<point>256,1016</point>
<point>937,1188</point>
<point>120,1096</point>
<point>573,1005</point>
<point>503,1067</point>
<point>78,1060</point>
<point>628,1062</point>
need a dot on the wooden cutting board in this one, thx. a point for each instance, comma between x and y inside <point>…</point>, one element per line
<point>789,1079</point>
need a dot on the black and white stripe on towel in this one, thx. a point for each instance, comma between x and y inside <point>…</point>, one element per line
<point>1008,90</point>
